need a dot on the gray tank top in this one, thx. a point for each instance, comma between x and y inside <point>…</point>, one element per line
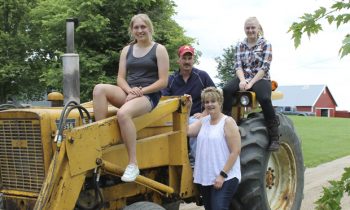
<point>141,71</point>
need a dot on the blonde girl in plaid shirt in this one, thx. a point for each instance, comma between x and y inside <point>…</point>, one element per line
<point>252,64</point>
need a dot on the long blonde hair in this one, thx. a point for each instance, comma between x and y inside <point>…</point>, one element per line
<point>256,21</point>
<point>146,20</point>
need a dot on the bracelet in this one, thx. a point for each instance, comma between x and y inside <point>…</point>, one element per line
<point>223,174</point>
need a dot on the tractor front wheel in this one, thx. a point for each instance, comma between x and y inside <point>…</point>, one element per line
<point>144,205</point>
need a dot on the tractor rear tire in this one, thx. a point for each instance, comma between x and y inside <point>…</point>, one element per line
<point>270,180</point>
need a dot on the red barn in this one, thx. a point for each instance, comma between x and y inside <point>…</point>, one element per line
<point>315,99</point>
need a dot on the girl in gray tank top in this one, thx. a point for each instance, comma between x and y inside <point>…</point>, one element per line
<point>142,71</point>
<point>139,81</point>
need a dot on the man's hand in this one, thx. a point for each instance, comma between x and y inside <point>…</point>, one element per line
<point>188,101</point>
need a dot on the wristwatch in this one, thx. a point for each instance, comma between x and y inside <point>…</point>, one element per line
<point>223,174</point>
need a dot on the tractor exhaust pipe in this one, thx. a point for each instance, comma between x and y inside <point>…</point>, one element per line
<point>71,78</point>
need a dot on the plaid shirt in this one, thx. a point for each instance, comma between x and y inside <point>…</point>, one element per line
<point>251,60</point>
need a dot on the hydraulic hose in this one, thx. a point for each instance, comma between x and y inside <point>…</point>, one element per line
<point>64,115</point>
<point>98,193</point>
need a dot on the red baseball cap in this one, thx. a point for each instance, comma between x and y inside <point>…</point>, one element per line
<point>185,49</point>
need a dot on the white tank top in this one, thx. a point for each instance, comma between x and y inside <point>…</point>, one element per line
<point>212,153</point>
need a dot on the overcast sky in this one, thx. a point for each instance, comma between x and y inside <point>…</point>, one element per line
<point>218,24</point>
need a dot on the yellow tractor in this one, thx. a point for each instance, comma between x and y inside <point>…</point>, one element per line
<point>58,158</point>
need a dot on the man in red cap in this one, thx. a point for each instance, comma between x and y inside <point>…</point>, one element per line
<point>189,80</point>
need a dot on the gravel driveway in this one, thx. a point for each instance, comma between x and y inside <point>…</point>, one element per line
<point>315,179</point>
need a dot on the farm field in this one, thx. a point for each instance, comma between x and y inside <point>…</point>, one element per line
<point>323,139</point>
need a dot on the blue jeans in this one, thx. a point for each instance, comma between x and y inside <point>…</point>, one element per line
<point>214,199</point>
<point>193,143</point>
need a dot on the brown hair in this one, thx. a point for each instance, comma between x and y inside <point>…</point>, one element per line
<point>212,92</point>
<point>145,19</point>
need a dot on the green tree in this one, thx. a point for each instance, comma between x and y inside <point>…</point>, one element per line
<point>310,24</point>
<point>18,71</point>
<point>100,35</point>
<point>226,63</point>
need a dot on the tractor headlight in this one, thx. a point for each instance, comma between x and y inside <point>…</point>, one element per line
<point>244,100</point>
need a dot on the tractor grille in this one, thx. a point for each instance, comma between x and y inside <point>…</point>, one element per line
<point>21,155</point>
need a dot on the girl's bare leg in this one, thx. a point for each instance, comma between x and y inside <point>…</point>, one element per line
<point>104,93</point>
<point>125,114</point>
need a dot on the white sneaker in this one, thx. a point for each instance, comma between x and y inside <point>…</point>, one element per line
<point>130,173</point>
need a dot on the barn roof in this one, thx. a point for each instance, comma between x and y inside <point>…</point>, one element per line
<point>301,95</point>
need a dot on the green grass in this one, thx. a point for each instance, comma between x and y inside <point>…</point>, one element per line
<point>323,139</point>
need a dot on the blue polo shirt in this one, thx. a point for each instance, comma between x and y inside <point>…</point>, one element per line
<point>197,81</point>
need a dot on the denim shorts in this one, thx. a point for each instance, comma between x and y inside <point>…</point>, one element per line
<point>154,98</point>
